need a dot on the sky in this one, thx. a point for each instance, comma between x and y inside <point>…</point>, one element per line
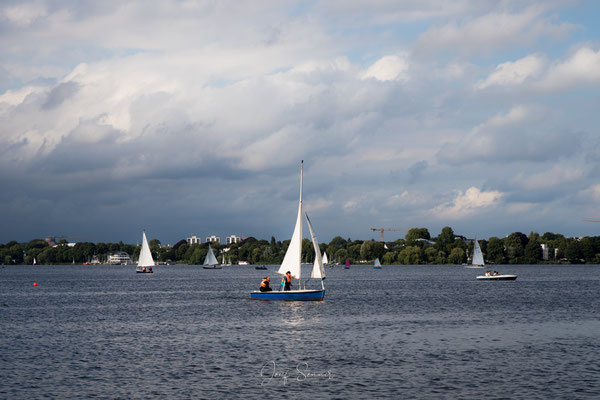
<point>192,117</point>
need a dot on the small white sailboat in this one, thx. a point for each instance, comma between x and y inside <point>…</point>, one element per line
<point>477,256</point>
<point>210,261</point>
<point>34,261</point>
<point>376,264</point>
<point>145,262</point>
<point>292,262</point>
<point>325,260</point>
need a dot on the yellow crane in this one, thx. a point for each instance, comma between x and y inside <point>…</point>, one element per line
<point>387,229</point>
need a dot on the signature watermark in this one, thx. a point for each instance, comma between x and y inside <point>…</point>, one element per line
<point>271,372</point>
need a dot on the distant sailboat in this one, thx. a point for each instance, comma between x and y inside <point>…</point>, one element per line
<point>210,262</point>
<point>376,264</point>
<point>145,262</point>
<point>292,263</point>
<point>347,264</point>
<point>325,260</point>
<point>477,256</point>
<point>34,261</point>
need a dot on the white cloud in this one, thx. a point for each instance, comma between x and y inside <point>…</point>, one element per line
<point>389,68</point>
<point>591,193</point>
<point>581,68</point>
<point>514,73</point>
<point>559,174</point>
<point>524,133</point>
<point>467,203</point>
<point>14,97</point>
<point>492,31</point>
<point>24,14</point>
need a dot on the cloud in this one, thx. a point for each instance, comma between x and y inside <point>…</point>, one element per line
<point>113,114</point>
<point>581,68</point>
<point>523,133</point>
<point>558,174</point>
<point>388,68</point>
<point>467,203</point>
<point>495,30</point>
<point>23,15</point>
<point>591,192</point>
<point>514,73</point>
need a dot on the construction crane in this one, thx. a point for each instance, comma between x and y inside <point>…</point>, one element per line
<point>387,229</point>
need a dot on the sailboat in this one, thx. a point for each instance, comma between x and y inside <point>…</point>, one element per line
<point>210,262</point>
<point>325,260</point>
<point>477,256</point>
<point>292,263</point>
<point>347,264</point>
<point>145,262</point>
<point>34,261</point>
<point>376,264</point>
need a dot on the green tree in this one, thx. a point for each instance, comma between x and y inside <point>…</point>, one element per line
<point>441,257</point>
<point>573,251</point>
<point>533,250</point>
<point>431,255</point>
<point>515,247</point>
<point>457,256</point>
<point>416,233</point>
<point>410,255</point>
<point>389,257</point>
<point>445,239</point>
<point>495,250</point>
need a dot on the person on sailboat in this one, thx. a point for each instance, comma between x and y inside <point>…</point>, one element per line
<point>286,281</point>
<point>265,285</point>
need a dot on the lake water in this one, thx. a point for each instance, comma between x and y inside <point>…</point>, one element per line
<point>400,332</point>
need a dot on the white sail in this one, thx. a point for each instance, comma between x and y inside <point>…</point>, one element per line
<point>325,260</point>
<point>477,255</point>
<point>293,255</point>
<point>145,259</point>
<point>377,263</point>
<point>317,271</point>
<point>210,257</point>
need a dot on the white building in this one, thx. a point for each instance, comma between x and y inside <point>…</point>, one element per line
<point>213,239</point>
<point>233,239</point>
<point>194,240</point>
<point>545,251</point>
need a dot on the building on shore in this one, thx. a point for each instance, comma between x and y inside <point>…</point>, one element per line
<point>233,239</point>
<point>213,239</point>
<point>194,240</point>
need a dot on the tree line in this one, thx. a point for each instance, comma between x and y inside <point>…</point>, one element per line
<point>418,247</point>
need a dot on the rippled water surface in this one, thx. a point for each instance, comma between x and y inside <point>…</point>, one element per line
<point>400,332</point>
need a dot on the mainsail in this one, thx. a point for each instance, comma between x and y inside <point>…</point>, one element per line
<point>325,260</point>
<point>145,259</point>
<point>293,255</point>
<point>210,257</point>
<point>477,255</point>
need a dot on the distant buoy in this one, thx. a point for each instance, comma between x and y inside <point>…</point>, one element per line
<point>34,283</point>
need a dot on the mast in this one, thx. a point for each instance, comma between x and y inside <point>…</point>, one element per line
<point>300,220</point>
